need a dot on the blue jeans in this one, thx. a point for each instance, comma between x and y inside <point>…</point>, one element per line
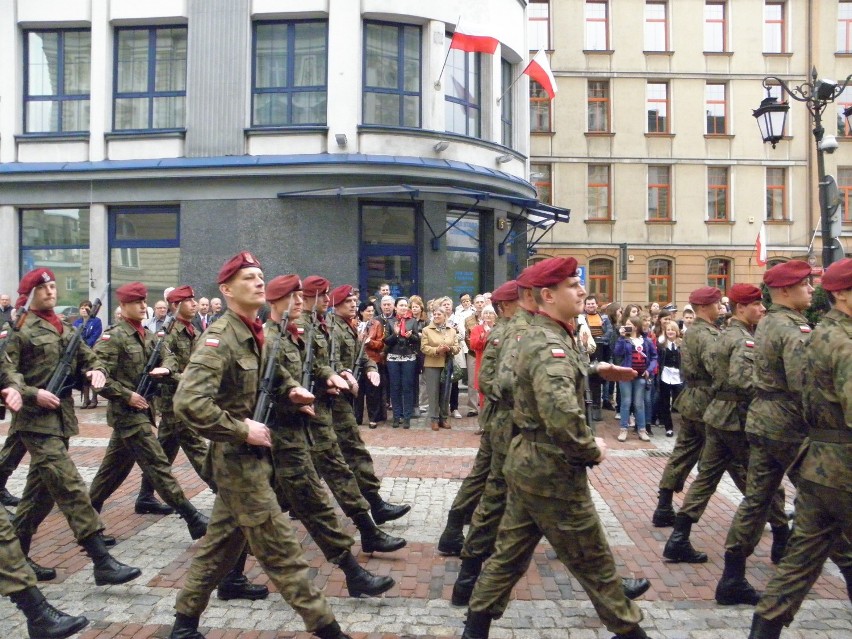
<point>633,395</point>
<point>403,388</point>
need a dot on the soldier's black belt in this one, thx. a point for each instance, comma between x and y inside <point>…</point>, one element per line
<point>830,436</point>
<point>537,435</point>
<point>731,396</point>
<point>776,395</point>
<point>698,383</point>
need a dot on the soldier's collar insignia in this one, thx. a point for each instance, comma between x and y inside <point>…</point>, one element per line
<point>557,352</point>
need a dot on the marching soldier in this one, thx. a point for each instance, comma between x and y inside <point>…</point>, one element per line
<point>546,467</point>
<point>217,394</point>
<point>46,423</point>
<point>823,464</point>
<point>124,349</point>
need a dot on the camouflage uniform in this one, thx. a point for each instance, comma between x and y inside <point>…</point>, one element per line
<point>217,392</point>
<point>15,574</point>
<point>548,487</point>
<point>34,351</point>
<point>124,353</point>
<point>824,467</point>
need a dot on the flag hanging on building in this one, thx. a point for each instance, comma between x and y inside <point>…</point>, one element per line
<point>539,70</point>
<point>760,246</point>
<point>474,43</point>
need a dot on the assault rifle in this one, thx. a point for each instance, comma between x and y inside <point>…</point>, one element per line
<point>147,383</point>
<point>63,375</point>
<point>359,365</point>
<point>308,366</point>
<point>4,338</point>
<point>588,388</point>
<point>263,407</point>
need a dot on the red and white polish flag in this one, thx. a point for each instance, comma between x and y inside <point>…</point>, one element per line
<point>474,43</point>
<point>539,70</point>
<point>760,246</point>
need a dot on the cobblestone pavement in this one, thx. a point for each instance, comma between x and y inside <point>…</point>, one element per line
<point>423,468</point>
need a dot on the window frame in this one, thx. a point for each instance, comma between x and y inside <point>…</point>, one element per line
<point>712,21</point>
<point>770,189</point>
<point>599,185</point>
<point>61,97</point>
<point>708,102</point>
<point>507,104</point>
<point>476,59</point>
<point>655,279</point>
<point>591,101</point>
<point>844,173</point>
<point>535,46</point>
<point>843,101</point>
<point>781,26</point>
<point>648,21</point>
<point>724,277</point>
<point>844,23</point>
<point>650,101</point>
<point>540,104</point>
<point>587,22</point>
<point>608,278</point>
<point>545,185</point>
<point>664,190</point>
<point>399,91</point>
<point>725,189</point>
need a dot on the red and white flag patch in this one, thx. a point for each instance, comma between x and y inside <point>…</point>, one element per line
<point>105,337</point>
<point>557,352</point>
<point>212,341</point>
<point>161,333</point>
<point>805,328</point>
<point>749,343</point>
<point>300,330</point>
<point>4,334</point>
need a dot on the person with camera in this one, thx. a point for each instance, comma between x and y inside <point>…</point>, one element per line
<point>634,350</point>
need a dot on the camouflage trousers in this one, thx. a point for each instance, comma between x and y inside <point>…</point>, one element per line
<point>15,574</point>
<point>482,534</point>
<point>175,435</point>
<point>823,528</point>
<point>125,449</point>
<point>248,512</point>
<point>11,454</point>
<point>53,477</point>
<point>574,531</point>
<point>300,490</point>
<point>472,486</point>
<point>687,450</point>
<point>725,450</point>
<point>353,448</point>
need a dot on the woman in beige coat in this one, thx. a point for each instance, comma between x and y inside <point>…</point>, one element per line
<point>438,342</point>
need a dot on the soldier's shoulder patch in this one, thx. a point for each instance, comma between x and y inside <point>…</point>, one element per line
<point>804,328</point>
<point>161,333</point>
<point>300,330</point>
<point>105,337</point>
<point>557,352</point>
<point>213,342</point>
<point>495,341</point>
<point>4,334</point>
<point>749,343</point>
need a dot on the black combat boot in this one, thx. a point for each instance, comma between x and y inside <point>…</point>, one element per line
<point>331,631</point>
<point>108,570</point>
<point>361,582</point>
<point>382,511</point>
<point>185,627</point>
<point>147,503</point>
<point>733,588</point>
<point>678,548</point>
<point>664,515</point>
<point>373,539</point>
<point>43,620</point>
<point>196,521</point>
<point>847,575</point>
<point>236,585</point>
<point>477,625</point>
<point>634,588</point>
<point>7,498</point>
<point>452,539</point>
<point>42,573</point>
<point>764,628</point>
<point>636,633</point>
<point>468,574</point>
<point>780,537</point>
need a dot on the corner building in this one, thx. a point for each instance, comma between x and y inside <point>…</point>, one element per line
<point>150,140</point>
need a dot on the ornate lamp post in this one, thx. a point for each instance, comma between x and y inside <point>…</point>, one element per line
<point>771,117</point>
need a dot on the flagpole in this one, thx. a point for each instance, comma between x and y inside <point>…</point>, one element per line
<point>446,57</point>
<point>509,88</point>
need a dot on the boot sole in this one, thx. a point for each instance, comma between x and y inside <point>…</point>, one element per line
<point>71,630</point>
<point>724,601</point>
<point>144,510</point>
<point>383,520</point>
<point>360,594</point>
<point>390,548</point>
<point>685,560</point>
<point>133,574</point>
<point>246,596</point>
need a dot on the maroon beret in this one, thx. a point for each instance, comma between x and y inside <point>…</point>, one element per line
<point>705,295</point>
<point>744,294</point>
<point>241,260</point>
<point>786,274</point>
<point>314,285</point>
<point>341,293</point>
<point>180,294</point>
<point>34,278</point>
<point>507,292</point>
<point>282,286</point>
<point>838,276</point>
<point>132,292</point>
<point>548,272</point>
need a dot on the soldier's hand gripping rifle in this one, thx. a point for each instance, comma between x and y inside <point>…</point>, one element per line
<point>148,383</point>
<point>263,407</point>
<point>62,379</point>
<point>6,335</point>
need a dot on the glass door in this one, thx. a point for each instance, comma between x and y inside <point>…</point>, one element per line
<point>388,249</point>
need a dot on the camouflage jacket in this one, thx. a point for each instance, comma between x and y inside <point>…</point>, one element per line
<point>695,365</point>
<point>732,368</point>
<point>504,380</point>
<point>176,353</point>
<point>345,339</point>
<point>33,353</point>
<point>488,367</point>
<point>827,400</point>
<point>780,368</point>
<point>322,407</point>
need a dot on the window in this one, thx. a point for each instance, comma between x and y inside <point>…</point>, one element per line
<point>659,193</point>
<point>844,26</point>
<point>657,96</point>
<point>506,104</point>
<point>602,279</point>
<point>597,25</point>
<point>776,194</point>
<point>150,78</point>
<point>463,245</point>
<point>289,81</point>
<point>656,28</point>
<point>717,109</point>
<point>56,81</point>
<point>717,194</point>
<point>539,109</point>
<point>660,281</point>
<point>715,27</point>
<point>392,84</point>
<point>843,101</point>
<point>538,24</point>
<point>844,183</point>
<point>719,273</point>
<point>389,246</point>
<point>462,99</point>
<point>773,27</point>
<point>598,198</point>
<point>598,106</point>
<point>540,176</point>
<point>59,240</point>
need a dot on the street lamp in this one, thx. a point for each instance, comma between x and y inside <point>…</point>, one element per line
<point>771,117</point>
